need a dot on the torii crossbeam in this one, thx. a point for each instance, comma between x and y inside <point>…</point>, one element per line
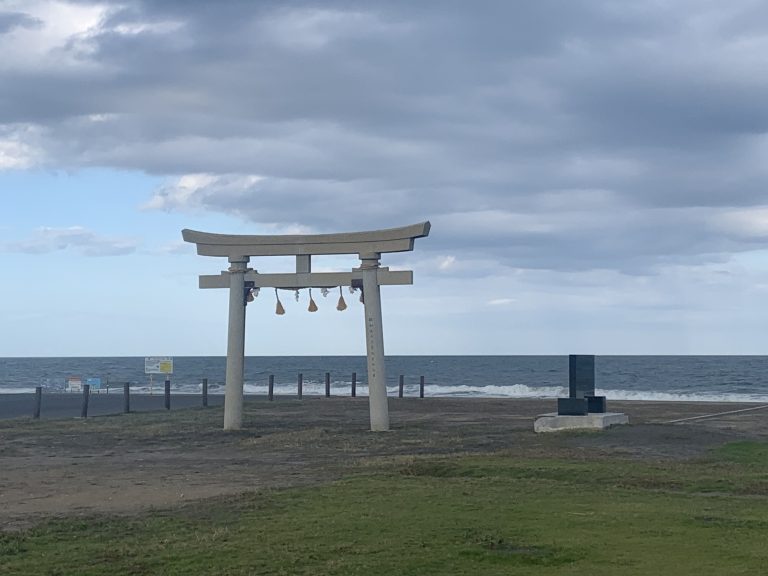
<point>369,246</point>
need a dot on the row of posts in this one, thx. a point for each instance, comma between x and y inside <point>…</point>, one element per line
<point>126,398</point>
<point>300,386</point>
<point>167,392</point>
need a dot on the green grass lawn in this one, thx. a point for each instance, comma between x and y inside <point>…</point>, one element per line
<point>458,515</point>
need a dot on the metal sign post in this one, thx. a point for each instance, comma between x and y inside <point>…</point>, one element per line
<point>157,365</point>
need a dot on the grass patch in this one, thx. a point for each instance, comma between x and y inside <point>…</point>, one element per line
<point>737,469</point>
<point>750,453</point>
<point>461,515</point>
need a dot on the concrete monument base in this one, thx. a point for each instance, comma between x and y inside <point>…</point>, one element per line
<point>554,422</point>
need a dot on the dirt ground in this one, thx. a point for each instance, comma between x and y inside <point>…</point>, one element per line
<point>130,463</point>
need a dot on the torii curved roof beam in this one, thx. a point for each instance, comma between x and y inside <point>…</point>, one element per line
<point>371,242</point>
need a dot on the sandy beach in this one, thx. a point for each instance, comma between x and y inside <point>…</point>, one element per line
<point>128,463</point>
<point>64,405</point>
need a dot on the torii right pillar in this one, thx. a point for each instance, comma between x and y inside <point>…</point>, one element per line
<point>374,338</point>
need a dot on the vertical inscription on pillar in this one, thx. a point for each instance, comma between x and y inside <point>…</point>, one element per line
<point>371,349</point>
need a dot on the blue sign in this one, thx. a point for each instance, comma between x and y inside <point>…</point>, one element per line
<point>94,383</point>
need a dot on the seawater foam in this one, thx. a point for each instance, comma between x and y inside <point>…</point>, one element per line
<point>308,387</point>
<point>342,388</point>
<point>499,391</point>
<point>496,391</point>
<point>648,395</point>
<point>4,390</point>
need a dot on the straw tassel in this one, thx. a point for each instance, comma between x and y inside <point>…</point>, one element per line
<point>279,310</point>
<point>312,305</point>
<point>341,306</point>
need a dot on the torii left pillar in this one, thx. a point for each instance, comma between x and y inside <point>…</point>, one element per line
<point>374,339</point>
<point>233,393</point>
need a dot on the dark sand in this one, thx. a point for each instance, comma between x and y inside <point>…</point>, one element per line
<point>62,405</point>
<point>130,463</point>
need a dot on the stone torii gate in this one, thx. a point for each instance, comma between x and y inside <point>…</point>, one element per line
<point>369,246</point>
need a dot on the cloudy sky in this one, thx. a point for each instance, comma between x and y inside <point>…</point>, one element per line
<point>595,171</point>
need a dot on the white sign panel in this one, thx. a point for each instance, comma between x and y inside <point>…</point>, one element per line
<point>74,384</point>
<point>158,365</point>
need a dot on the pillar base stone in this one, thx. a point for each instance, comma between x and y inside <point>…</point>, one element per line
<point>555,423</point>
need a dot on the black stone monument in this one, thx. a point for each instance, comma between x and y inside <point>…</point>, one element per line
<point>581,388</point>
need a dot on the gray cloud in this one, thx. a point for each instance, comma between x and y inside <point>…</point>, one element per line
<point>11,20</point>
<point>88,243</point>
<point>555,135</point>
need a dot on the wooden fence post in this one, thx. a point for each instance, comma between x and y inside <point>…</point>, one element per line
<point>271,392</point>
<point>327,384</point>
<point>401,386</point>
<point>86,396</point>
<point>421,387</point>
<point>126,397</point>
<point>205,392</point>
<point>167,393</point>
<point>354,384</point>
<point>38,400</point>
<point>300,385</point>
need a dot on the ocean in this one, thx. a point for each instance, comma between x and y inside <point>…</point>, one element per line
<point>683,378</point>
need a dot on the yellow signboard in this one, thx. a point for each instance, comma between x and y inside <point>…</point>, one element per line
<point>158,365</point>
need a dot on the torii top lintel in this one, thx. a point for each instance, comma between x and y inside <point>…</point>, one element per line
<point>370,242</point>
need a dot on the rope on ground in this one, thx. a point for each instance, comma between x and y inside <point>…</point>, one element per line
<point>716,414</point>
